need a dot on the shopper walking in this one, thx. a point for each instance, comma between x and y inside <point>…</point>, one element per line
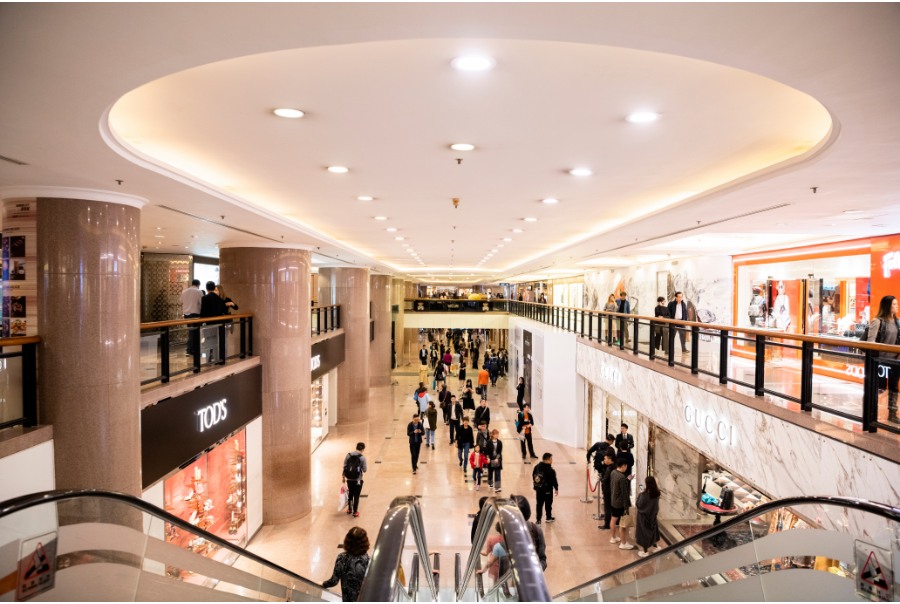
<point>623,307</point>
<point>431,419</point>
<point>477,460</point>
<point>483,378</point>
<point>494,452</point>
<point>545,484</point>
<point>885,329</point>
<point>414,431</point>
<point>483,414</point>
<point>354,469</point>
<point>465,440</point>
<point>456,413</point>
<point>351,564</point>
<point>660,331</point>
<point>520,393</point>
<point>678,310</point>
<point>646,532</point>
<point>621,504</point>
<point>190,306</point>
<point>524,424</point>
<point>609,466</point>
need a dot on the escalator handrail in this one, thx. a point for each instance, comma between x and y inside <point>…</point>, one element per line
<point>17,504</point>
<point>871,507</point>
<point>379,584</point>
<point>528,574</point>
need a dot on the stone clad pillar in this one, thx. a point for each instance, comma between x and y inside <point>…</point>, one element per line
<point>380,348</point>
<point>88,287</point>
<point>349,287</point>
<point>397,291</point>
<point>273,283</point>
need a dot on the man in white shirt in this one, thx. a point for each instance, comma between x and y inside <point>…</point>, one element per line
<point>190,305</point>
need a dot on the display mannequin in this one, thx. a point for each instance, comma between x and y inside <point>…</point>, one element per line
<point>781,309</point>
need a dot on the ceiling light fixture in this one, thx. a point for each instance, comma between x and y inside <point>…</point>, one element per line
<point>580,172</point>
<point>365,198</point>
<point>507,239</point>
<point>642,117</point>
<point>462,147</point>
<point>381,218</point>
<point>473,63</point>
<point>550,201</point>
<point>517,230</point>
<point>530,219</point>
<point>399,238</point>
<point>338,169</point>
<point>391,229</point>
<point>288,113</point>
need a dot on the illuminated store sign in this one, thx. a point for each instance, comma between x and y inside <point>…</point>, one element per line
<point>611,374</point>
<point>708,424</point>
<point>213,414</point>
<point>890,262</point>
<point>325,355</point>
<point>315,362</point>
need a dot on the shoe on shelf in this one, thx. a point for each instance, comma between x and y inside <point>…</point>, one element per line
<point>626,546</point>
<point>643,554</point>
<point>614,540</point>
<point>356,514</point>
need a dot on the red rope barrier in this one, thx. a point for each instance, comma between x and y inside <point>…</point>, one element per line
<point>588,477</point>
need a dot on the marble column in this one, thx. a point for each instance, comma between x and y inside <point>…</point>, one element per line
<point>397,292</point>
<point>88,287</point>
<point>272,282</point>
<point>349,287</point>
<point>380,347</point>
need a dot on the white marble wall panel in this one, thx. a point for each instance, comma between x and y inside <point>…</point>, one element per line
<point>780,458</point>
<point>676,467</point>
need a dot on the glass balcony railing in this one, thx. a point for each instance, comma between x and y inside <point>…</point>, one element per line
<point>18,381</point>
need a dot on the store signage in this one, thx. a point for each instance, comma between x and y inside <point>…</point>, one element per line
<point>890,262</point>
<point>708,424</point>
<point>858,371</point>
<point>610,374</point>
<point>176,430</point>
<point>326,354</point>
<point>207,417</point>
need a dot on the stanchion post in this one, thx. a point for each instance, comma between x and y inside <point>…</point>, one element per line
<point>587,483</point>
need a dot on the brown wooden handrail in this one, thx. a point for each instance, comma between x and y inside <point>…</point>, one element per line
<point>19,341</point>
<point>177,322</point>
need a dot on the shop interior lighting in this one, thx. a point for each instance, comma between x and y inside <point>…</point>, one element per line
<point>289,113</point>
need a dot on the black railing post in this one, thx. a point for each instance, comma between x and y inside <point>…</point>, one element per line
<point>806,376</point>
<point>695,349</point>
<point>222,349</point>
<point>590,326</point>
<point>651,354</point>
<point>243,327</point>
<point>759,383</point>
<point>623,331</point>
<point>609,330</point>
<point>29,385</point>
<point>194,332</point>
<point>164,355</point>
<point>581,326</point>
<point>337,315</point>
<point>723,356</point>
<point>870,392</point>
<point>635,344</point>
<point>670,345</point>
<point>249,336</point>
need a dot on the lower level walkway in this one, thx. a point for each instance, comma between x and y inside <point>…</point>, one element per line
<point>576,550</point>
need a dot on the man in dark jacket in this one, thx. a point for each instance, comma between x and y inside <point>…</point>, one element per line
<point>415,431</point>
<point>609,464</point>
<point>483,414</point>
<point>545,484</point>
<point>353,475</point>
<point>465,440</point>
<point>211,305</point>
<point>678,309</point>
<point>621,503</point>
<point>597,450</point>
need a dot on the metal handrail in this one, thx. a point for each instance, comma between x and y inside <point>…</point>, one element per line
<point>380,583</point>
<point>18,504</point>
<point>179,322</point>
<point>879,509</point>
<point>524,563</point>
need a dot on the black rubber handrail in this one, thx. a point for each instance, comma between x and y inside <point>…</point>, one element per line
<point>879,509</point>
<point>25,502</point>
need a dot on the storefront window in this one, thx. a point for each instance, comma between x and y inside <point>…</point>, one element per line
<point>319,411</point>
<point>211,494</point>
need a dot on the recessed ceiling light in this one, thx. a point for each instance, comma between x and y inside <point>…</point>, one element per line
<point>852,211</point>
<point>507,239</point>
<point>642,117</point>
<point>398,238</point>
<point>365,198</point>
<point>288,113</point>
<point>517,230</point>
<point>473,63</point>
<point>381,218</point>
<point>338,169</point>
<point>499,245</point>
<point>391,229</point>
<point>158,228</point>
<point>550,200</point>
<point>160,236</point>
<point>462,147</point>
<point>580,172</point>
<point>530,219</point>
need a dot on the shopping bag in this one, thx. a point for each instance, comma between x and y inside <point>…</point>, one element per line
<point>342,498</point>
<point>627,520</point>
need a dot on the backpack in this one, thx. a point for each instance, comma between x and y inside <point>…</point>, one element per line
<point>353,467</point>
<point>756,306</point>
<point>726,499</point>
<point>538,478</point>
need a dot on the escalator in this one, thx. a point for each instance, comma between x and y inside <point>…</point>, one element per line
<point>94,545</point>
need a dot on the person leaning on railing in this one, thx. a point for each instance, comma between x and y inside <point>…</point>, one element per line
<point>885,329</point>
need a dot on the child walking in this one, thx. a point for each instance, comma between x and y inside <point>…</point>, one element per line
<point>477,460</point>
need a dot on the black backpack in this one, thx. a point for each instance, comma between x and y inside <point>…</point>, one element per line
<point>726,499</point>
<point>353,467</point>
<point>538,478</point>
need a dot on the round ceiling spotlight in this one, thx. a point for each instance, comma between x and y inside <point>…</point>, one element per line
<point>642,117</point>
<point>580,172</point>
<point>399,238</point>
<point>517,230</point>
<point>530,219</point>
<point>550,201</point>
<point>381,218</point>
<point>292,114</point>
<point>473,63</point>
<point>507,239</point>
<point>338,169</point>
<point>462,147</point>
<point>391,229</point>
<point>365,198</point>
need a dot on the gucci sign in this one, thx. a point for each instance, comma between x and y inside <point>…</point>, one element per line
<point>210,416</point>
<point>611,374</point>
<point>709,424</point>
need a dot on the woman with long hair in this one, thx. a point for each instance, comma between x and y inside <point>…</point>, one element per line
<point>647,529</point>
<point>885,329</point>
<point>351,564</point>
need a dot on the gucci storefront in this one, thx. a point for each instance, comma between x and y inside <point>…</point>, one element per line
<point>202,461</point>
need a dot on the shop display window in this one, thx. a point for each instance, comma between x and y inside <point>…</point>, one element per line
<point>211,494</point>
<point>319,412</point>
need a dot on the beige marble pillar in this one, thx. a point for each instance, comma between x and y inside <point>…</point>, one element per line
<point>380,347</point>
<point>273,284</point>
<point>88,287</point>
<point>349,287</point>
<point>397,293</point>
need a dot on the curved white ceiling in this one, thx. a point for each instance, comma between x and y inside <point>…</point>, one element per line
<point>389,111</point>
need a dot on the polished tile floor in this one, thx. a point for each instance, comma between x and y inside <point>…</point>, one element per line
<point>576,550</point>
